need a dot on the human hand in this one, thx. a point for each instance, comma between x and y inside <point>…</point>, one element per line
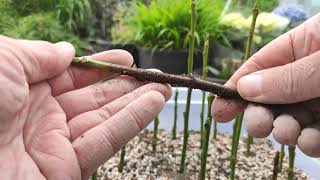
<point>53,123</point>
<point>285,71</point>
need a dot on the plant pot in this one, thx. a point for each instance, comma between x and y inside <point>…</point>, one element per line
<point>169,61</point>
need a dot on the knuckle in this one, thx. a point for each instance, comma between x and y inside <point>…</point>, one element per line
<point>291,80</point>
<point>73,77</point>
<point>110,138</point>
<point>136,117</point>
<point>104,113</point>
<point>255,63</point>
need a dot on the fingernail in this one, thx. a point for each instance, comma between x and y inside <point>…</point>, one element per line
<point>250,85</point>
<point>65,47</point>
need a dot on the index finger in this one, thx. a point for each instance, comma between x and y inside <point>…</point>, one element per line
<point>101,142</point>
<point>293,45</point>
<point>78,77</point>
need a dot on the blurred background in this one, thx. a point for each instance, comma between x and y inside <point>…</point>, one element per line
<point>156,31</point>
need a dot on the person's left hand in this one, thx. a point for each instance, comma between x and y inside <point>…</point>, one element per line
<point>53,123</point>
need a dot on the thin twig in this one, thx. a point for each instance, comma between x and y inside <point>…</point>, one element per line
<point>281,157</point>
<point>160,77</point>
<point>174,129</point>
<point>94,175</point>
<point>291,162</point>
<point>249,143</point>
<point>235,145</point>
<point>122,160</point>
<point>255,12</point>
<point>190,68</point>
<point>204,77</point>
<point>204,152</point>
<point>215,129</point>
<point>238,122</point>
<point>155,134</point>
<point>275,166</point>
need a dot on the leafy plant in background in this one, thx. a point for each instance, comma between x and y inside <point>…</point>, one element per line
<point>26,7</point>
<point>120,31</point>
<point>166,23</point>
<point>227,70</point>
<point>40,22</point>
<point>103,10</point>
<point>76,16</point>
<point>45,27</point>
<point>106,13</point>
<point>268,26</point>
<point>8,16</point>
<point>267,6</point>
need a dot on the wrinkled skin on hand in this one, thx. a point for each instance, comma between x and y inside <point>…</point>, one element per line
<point>286,71</point>
<point>53,123</point>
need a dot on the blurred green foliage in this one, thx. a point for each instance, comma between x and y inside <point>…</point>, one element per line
<point>40,20</point>
<point>7,15</point>
<point>43,26</point>
<point>25,7</point>
<point>119,31</point>
<point>226,71</point>
<point>76,16</point>
<point>245,6</point>
<point>265,5</point>
<point>166,23</point>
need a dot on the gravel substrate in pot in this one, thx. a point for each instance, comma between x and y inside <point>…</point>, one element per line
<point>142,163</point>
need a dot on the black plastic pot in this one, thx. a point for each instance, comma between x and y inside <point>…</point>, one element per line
<point>102,45</point>
<point>169,61</point>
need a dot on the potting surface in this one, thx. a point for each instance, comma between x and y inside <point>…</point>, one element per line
<point>142,163</point>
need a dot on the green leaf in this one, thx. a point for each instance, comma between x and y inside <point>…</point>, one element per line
<point>213,71</point>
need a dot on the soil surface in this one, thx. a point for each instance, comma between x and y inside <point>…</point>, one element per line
<point>142,163</point>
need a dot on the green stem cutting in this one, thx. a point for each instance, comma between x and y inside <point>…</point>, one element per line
<point>190,67</point>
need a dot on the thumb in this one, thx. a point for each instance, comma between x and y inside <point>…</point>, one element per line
<point>40,60</point>
<point>290,83</point>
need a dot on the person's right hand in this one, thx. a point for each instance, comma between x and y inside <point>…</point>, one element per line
<point>286,71</point>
